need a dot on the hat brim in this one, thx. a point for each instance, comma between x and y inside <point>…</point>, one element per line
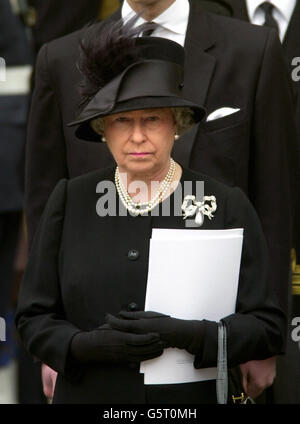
<point>86,132</point>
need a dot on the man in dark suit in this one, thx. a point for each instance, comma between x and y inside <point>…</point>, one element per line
<point>14,98</point>
<point>285,18</point>
<point>235,70</point>
<point>14,102</point>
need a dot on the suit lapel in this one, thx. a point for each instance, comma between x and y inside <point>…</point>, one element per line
<point>198,71</point>
<point>239,9</point>
<point>199,65</point>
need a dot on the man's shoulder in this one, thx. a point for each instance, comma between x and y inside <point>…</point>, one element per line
<point>68,45</point>
<point>232,30</point>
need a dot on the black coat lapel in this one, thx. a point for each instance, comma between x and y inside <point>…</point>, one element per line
<point>239,9</point>
<point>199,65</point>
<point>198,71</point>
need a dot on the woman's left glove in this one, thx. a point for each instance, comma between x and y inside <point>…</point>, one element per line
<point>183,334</point>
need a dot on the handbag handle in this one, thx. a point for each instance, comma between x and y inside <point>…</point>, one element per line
<point>222,370</point>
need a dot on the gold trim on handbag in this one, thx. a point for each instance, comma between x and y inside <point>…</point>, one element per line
<point>296,274</point>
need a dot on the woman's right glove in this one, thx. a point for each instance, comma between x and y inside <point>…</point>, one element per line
<point>180,333</point>
<point>112,346</point>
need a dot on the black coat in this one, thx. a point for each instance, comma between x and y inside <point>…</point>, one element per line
<point>79,270</point>
<point>57,18</point>
<point>228,63</point>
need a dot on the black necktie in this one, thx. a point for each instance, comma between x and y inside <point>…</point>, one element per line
<point>147,32</point>
<point>269,19</point>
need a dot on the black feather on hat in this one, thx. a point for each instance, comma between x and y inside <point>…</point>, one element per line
<point>106,51</point>
<point>123,71</point>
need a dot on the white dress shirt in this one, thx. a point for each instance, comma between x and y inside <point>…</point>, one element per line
<point>282,12</point>
<point>172,23</point>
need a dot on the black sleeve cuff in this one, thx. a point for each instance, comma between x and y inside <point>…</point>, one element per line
<point>208,356</point>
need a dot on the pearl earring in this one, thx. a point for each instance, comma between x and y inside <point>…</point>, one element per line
<point>103,139</point>
<point>176,137</point>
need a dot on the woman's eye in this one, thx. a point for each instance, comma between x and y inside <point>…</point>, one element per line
<point>122,119</point>
<point>153,118</point>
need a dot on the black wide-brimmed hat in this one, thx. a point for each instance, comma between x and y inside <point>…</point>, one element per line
<point>148,75</point>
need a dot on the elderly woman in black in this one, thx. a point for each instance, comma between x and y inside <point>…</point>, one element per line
<point>81,303</point>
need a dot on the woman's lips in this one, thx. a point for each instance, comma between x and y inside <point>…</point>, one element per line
<point>139,154</point>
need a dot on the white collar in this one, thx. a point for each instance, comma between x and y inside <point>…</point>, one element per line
<point>173,19</point>
<point>285,7</point>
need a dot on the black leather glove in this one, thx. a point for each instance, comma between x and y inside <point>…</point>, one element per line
<point>105,344</point>
<point>183,334</point>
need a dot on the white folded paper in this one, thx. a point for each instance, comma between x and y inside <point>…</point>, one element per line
<point>193,274</point>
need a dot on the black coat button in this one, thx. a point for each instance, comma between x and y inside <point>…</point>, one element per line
<point>133,254</point>
<point>132,307</point>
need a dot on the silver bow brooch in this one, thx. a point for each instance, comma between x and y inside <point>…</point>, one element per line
<point>190,207</point>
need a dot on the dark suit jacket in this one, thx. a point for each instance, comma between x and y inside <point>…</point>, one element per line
<point>215,6</point>
<point>56,18</point>
<point>79,269</point>
<point>228,63</point>
<point>291,48</point>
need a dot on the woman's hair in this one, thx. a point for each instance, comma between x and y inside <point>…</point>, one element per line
<point>183,116</point>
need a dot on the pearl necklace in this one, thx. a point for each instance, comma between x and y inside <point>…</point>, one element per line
<point>142,208</point>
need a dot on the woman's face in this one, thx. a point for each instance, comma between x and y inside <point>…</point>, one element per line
<point>141,141</point>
